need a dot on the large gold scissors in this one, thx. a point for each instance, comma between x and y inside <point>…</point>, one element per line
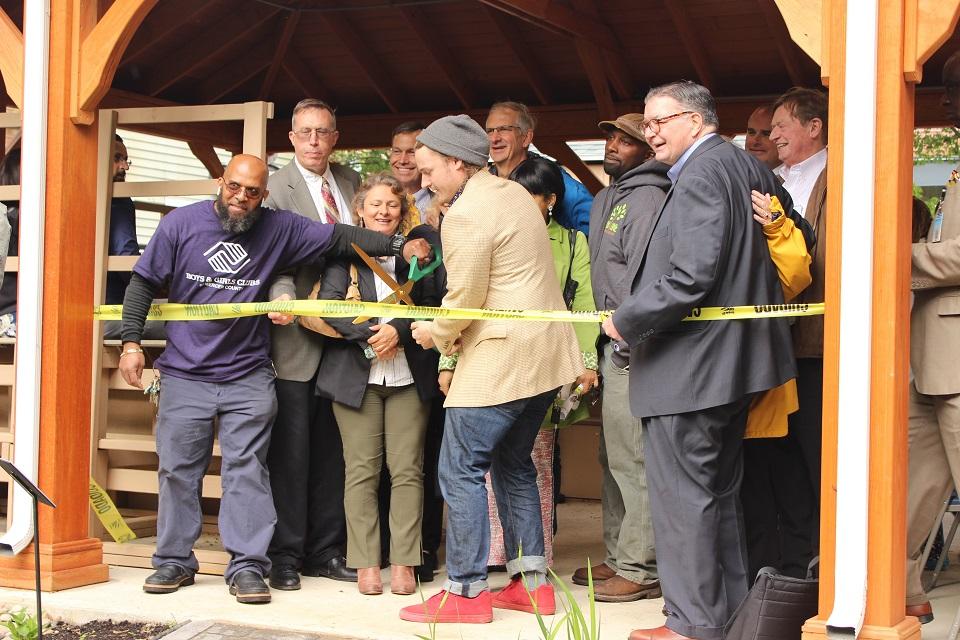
<point>401,293</point>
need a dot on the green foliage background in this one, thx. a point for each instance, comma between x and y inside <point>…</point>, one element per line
<point>363,161</point>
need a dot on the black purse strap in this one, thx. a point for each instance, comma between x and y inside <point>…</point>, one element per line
<point>569,287</point>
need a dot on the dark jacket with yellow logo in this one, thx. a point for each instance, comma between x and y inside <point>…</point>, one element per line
<point>620,222</point>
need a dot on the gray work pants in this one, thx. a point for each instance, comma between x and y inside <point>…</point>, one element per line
<point>245,408</point>
<point>625,505</point>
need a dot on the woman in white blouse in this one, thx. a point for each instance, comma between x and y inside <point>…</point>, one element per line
<point>380,382</point>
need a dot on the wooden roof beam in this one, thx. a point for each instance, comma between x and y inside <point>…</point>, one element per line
<point>234,73</point>
<point>441,55</point>
<point>221,36</point>
<point>616,68</point>
<point>100,53</point>
<point>166,19</point>
<point>11,58</point>
<point>781,36</point>
<point>569,159</point>
<point>283,44</point>
<point>304,77</point>
<point>207,156</point>
<point>559,16</point>
<point>593,63</point>
<point>530,67</point>
<point>382,83</point>
<point>692,44</point>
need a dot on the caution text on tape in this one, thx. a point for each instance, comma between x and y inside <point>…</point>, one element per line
<point>350,309</point>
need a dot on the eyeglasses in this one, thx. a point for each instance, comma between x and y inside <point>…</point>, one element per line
<point>119,157</point>
<point>250,192</point>
<point>502,129</point>
<point>306,133</point>
<point>654,124</point>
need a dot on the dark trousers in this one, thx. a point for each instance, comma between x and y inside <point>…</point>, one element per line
<point>777,506</point>
<point>432,498</point>
<point>307,477</point>
<point>694,468</point>
<point>806,429</point>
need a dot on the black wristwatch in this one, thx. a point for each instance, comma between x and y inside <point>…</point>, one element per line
<point>396,244</point>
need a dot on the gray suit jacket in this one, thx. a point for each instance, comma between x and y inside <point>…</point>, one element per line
<point>705,250</point>
<point>296,351</point>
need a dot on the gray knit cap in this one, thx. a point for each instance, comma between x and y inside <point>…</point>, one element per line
<point>458,137</point>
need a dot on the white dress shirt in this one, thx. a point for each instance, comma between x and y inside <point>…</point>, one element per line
<point>395,372</point>
<point>315,185</point>
<point>799,179</point>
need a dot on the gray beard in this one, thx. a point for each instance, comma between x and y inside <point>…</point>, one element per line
<point>235,225</point>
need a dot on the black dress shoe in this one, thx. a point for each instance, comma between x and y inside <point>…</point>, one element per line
<point>250,588</point>
<point>335,568</point>
<point>284,577</point>
<point>167,579</point>
<point>428,567</point>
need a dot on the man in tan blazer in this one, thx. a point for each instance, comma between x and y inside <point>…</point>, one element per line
<point>305,457</point>
<point>934,349</point>
<point>497,256</point>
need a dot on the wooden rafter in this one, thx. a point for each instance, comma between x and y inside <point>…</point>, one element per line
<point>692,44</point>
<point>100,53</point>
<point>383,84</point>
<point>785,47</point>
<point>221,36</point>
<point>558,16</point>
<point>593,63</point>
<point>208,157</point>
<point>804,20</point>
<point>569,159</point>
<point>283,44</point>
<point>617,72</point>
<point>530,67</point>
<point>305,78</point>
<point>234,73</point>
<point>167,19</point>
<point>11,58</point>
<point>441,54</point>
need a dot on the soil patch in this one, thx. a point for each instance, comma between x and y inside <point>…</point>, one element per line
<point>106,630</point>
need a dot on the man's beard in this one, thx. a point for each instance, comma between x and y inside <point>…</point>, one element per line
<point>235,225</point>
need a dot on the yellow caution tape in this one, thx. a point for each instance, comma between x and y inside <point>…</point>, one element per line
<point>349,309</point>
<point>107,512</point>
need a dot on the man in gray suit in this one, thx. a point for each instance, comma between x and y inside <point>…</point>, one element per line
<point>305,458</point>
<point>692,382</point>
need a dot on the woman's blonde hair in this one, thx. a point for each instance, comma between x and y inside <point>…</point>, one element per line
<point>387,180</point>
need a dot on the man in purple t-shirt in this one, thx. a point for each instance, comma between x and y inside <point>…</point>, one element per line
<point>223,251</point>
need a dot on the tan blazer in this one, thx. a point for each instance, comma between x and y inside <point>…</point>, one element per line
<point>296,351</point>
<point>497,255</point>
<point>935,318</point>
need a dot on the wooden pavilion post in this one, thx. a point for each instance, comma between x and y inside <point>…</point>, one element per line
<point>83,55</point>
<point>909,31</point>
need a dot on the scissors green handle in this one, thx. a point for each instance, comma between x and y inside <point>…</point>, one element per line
<point>416,273</point>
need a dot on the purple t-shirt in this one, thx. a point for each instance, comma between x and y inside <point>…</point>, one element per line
<point>203,264</point>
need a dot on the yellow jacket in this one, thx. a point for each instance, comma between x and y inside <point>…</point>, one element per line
<point>768,414</point>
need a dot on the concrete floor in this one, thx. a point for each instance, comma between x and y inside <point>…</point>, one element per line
<point>335,609</point>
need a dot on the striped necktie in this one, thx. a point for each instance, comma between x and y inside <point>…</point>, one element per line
<point>329,204</point>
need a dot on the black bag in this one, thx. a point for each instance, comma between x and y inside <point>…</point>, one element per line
<point>774,609</point>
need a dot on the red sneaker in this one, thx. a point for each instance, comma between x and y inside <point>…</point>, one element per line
<point>516,597</point>
<point>449,607</point>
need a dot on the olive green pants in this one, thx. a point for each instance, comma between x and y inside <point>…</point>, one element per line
<point>391,422</point>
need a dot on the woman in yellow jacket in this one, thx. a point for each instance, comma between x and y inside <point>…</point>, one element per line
<point>777,513</point>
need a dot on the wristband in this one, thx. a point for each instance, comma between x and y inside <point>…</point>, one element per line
<point>129,351</point>
<point>396,244</point>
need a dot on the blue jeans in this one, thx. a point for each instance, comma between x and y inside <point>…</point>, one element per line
<point>498,439</point>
